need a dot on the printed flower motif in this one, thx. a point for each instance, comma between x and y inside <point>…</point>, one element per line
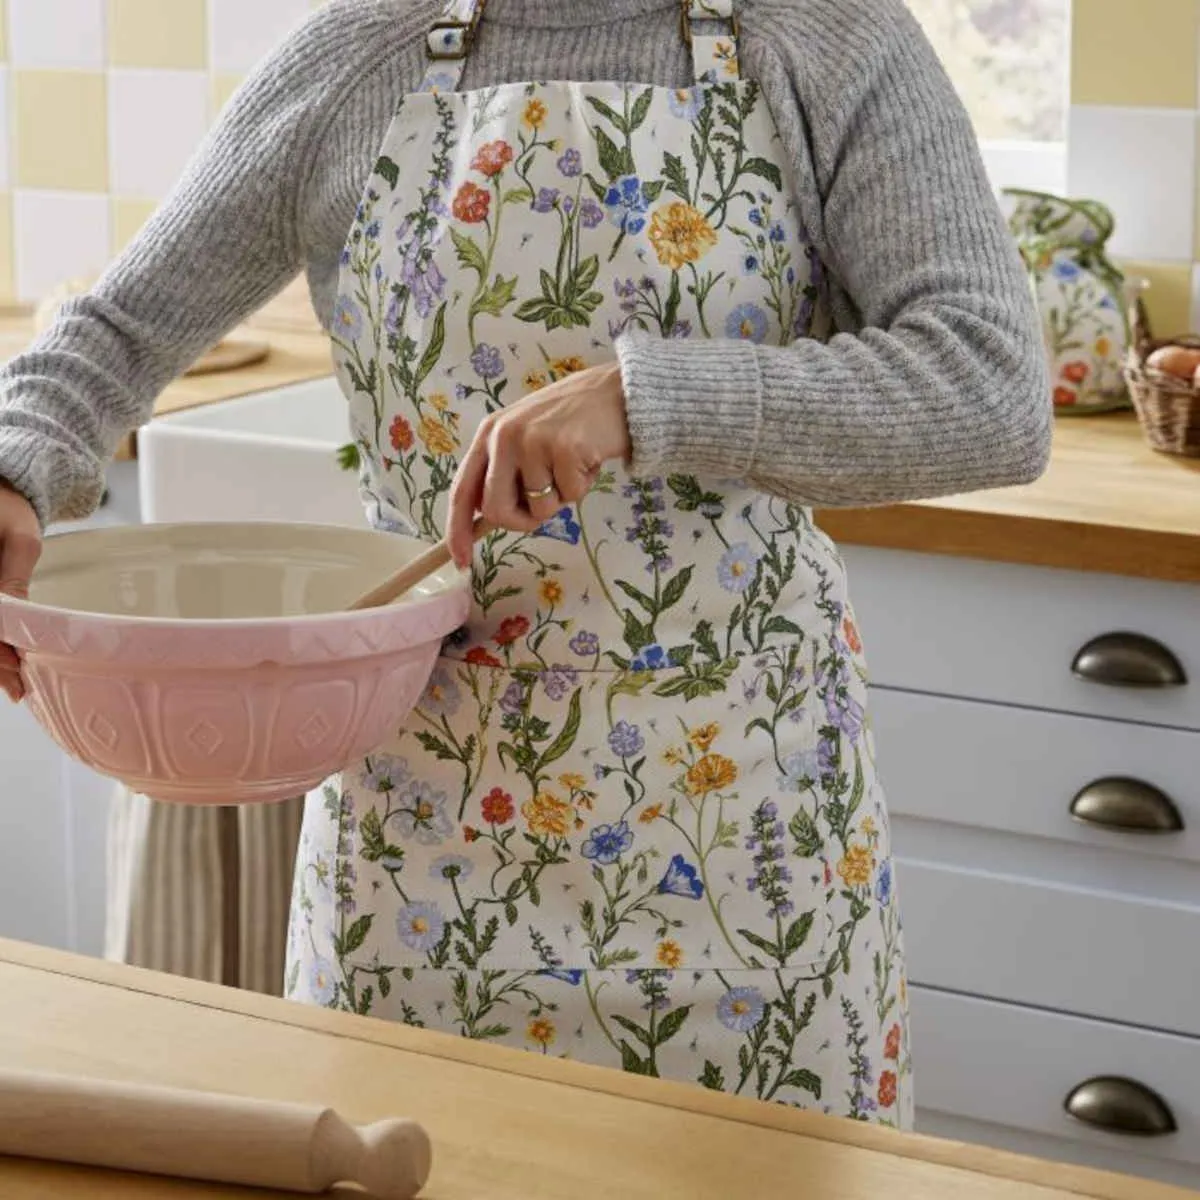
<point>1065,270</point>
<point>535,380</point>
<point>573,781</point>
<point>704,736</point>
<point>347,319</point>
<point>710,774</point>
<point>492,158</point>
<point>558,681</point>
<point>513,700</point>
<point>891,1044</point>
<point>560,368</point>
<point>498,807</point>
<point>681,879</point>
<point>741,1009</point>
<point>562,527</point>
<point>652,658</point>
<point>400,434</point>
<point>572,976</point>
<point>626,740</point>
<point>627,204</point>
<point>585,644</point>
<point>802,768</point>
<point>669,954</point>
<point>471,204</point>
<point>571,164</point>
<point>470,834</point>
<point>545,200</point>
<point>451,866</point>
<point>850,633</point>
<point>477,656</point>
<point>680,235</point>
<point>685,103</point>
<point>534,115</point>
<point>747,322</point>
<point>322,982</point>
<point>541,1032</point>
<point>650,814</point>
<point>606,843</point>
<point>857,866</point>
<point>867,825</point>
<point>440,82</point>
<point>438,438</point>
<point>385,773</point>
<point>1102,347</point>
<point>423,814</point>
<point>551,592</point>
<point>1064,397</point>
<point>439,401</point>
<point>442,696</point>
<point>751,263</point>
<point>511,628</point>
<point>487,361</point>
<point>1075,372</point>
<point>737,568</point>
<point>590,214</point>
<point>883,884</point>
<point>887,1089</point>
<point>547,815</point>
<point>420,925</point>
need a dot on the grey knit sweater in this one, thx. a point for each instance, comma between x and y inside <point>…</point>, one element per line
<point>936,385</point>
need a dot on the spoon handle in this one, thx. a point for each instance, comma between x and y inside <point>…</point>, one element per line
<point>412,573</point>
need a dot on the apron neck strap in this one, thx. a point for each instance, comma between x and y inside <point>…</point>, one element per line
<point>714,55</point>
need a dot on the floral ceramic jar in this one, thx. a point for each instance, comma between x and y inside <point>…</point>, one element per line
<point>1080,295</point>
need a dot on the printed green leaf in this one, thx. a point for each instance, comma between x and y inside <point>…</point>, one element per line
<point>631,1061</point>
<point>780,624</point>
<point>357,934</point>
<point>349,457</point>
<point>535,311</point>
<point>804,1079</point>
<point>798,932</point>
<point>520,195</point>
<point>764,170</point>
<point>566,736</point>
<point>653,189</point>
<point>672,1023</point>
<point>676,176</point>
<point>642,1035</point>
<point>636,596</point>
<point>712,1077</point>
<point>641,107</point>
<point>676,588</point>
<point>469,254</point>
<point>609,114</point>
<point>495,299</point>
<point>808,840</point>
<point>611,157</point>
<point>433,352</point>
<point>586,272</point>
<point>388,170</point>
<point>761,943</point>
<point>637,635</point>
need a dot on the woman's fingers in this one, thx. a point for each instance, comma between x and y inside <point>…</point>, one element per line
<point>466,499</point>
<point>504,501</point>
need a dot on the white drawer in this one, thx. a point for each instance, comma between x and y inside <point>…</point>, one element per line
<point>1072,949</point>
<point>1012,1066</point>
<point>1019,770</point>
<point>989,631</point>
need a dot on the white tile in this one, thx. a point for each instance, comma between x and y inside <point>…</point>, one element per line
<point>1140,162</point>
<point>156,119</point>
<point>244,33</point>
<point>1032,166</point>
<point>50,34</point>
<point>5,140</point>
<point>58,236</point>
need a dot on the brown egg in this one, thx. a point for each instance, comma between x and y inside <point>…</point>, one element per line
<point>1182,361</point>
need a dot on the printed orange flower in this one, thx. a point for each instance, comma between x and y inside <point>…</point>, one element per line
<point>710,774</point>
<point>401,435</point>
<point>439,401</point>
<point>438,438</point>
<point>470,833</point>
<point>887,1089</point>
<point>649,815</point>
<point>1064,396</point>
<point>492,158</point>
<point>560,368</point>
<point>498,807</point>
<point>547,815</point>
<point>704,737</point>
<point>857,866</point>
<point>669,955</point>
<point>673,756</point>
<point>479,657</point>
<point>551,592</point>
<point>1075,372</point>
<point>572,782</point>
<point>891,1045</point>
<point>510,629</point>
<point>1103,346</point>
<point>471,204</point>
<point>541,1032</point>
<point>850,632</point>
<point>535,380</point>
<point>680,234</point>
<point>534,115</point>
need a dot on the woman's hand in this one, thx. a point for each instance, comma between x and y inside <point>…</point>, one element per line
<point>541,453</point>
<point>20,549</point>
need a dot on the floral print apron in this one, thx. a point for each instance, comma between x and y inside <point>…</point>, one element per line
<point>635,819</point>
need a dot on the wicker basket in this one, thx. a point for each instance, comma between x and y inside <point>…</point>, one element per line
<point>1168,407</point>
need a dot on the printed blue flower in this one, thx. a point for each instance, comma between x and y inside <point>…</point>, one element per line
<point>776,233</point>
<point>571,163</point>
<point>442,696</point>
<point>322,982</point>
<point>545,200</point>
<point>420,925</point>
<point>757,218</point>
<point>562,527</point>
<point>423,814</point>
<point>747,322</point>
<point>652,658</point>
<point>685,103</point>
<point>585,644</point>
<point>487,361</point>
<point>750,263</point>
<point>627,204</point>
<point>347,319</point>
<point>681,879</point>
<point>626,740</point>
<point>883,884</point>
<point>606,843</point>
<point>590,214</point>
<point>1065,269</point>
<point>741,1009</point>
<point>738,568</point>
<point>558,681</point>
<point>385,773</point>
<point>574,978</point>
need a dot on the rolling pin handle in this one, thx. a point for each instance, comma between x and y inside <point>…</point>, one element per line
<point>390,1160</point>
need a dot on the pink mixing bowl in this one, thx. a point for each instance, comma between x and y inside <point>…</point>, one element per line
<point>209,664</point>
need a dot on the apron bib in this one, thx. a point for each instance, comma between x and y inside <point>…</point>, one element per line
<point>635,818</point>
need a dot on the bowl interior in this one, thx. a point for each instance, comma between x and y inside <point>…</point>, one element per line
<point>223,571</point>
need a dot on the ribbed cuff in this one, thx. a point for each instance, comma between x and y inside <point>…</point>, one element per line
<point>54,481</point>
<point>693,406</point>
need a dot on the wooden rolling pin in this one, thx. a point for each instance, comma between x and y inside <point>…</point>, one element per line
<point>215,1138</point>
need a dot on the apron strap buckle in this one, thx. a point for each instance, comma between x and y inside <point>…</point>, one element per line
<point>451,38</point>
<point>700,10</point>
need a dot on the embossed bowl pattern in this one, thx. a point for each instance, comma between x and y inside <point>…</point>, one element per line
<point>209,664</point>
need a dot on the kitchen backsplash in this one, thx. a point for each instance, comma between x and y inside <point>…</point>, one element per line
<point>103,101</point>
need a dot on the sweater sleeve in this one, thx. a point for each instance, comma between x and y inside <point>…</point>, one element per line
<point>225,241</point>
<point>938,382</point>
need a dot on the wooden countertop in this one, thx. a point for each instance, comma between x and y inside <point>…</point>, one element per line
<point>505,1124</point>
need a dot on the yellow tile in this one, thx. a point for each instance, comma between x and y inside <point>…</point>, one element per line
<point>1134,54</point>
<point>169,34</point>
<point>1169,298</point>
<point>223,87</point>
<point>8,285</point>
<point>128,217</point>
<point>61,130</point>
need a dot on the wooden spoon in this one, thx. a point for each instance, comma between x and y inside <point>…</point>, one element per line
<point>412,573</point>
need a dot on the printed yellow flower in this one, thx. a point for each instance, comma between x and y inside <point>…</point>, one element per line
<point>547,815</point>
<point>704,737</point>
<point>673,756</point>
<point>1103,346</point>
<point>535,381</point>
<point>438,438</point>
<point>868,826</point>
<point>649,815</point>
<point>857,867</point>
<point>572,782</point>
<point>541,1032</point>
<point>560,368</point>
<point>552,592</point>
<point>535,114</point>
<point>710,774</point>
<point>680,235</point>
<point>670,955</point>
<point>439,401</point>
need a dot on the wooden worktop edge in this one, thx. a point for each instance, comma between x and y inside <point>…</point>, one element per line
<point>1096,1185</point>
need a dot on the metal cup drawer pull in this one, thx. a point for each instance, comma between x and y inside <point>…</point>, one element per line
<point>1120,1105</point>
<point>1129,660</point>
<point>1127,806</point>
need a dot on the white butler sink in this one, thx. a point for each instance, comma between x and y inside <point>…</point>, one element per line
<point>267,457</point>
